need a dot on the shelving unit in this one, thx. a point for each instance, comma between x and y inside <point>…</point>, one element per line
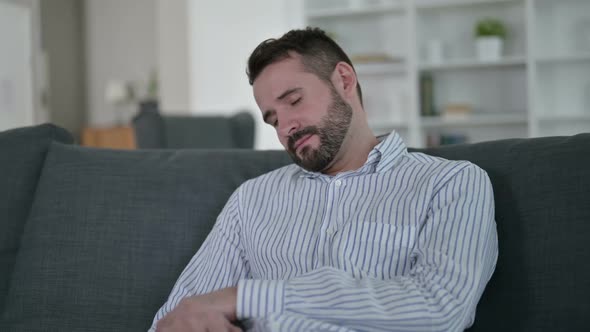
<point>579,57</point>
<point>540,86</point>
<point>352,11</point>
<point>474,121</point>
<point>474,64</point>
<point>560,39</point>
<point>438,4</point>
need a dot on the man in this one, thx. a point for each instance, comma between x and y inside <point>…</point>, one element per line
<point>357,235</point>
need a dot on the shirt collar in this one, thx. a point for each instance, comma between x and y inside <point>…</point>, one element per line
<point>382,158</point>
<point>390,150</point>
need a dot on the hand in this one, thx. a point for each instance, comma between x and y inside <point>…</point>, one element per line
<point>208,312</point>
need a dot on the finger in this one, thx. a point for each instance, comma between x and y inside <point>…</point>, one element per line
<point>233,328</point>
<point>216,322</point>
<point>230,327</point>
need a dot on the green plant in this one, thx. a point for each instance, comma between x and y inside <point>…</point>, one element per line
<point>490,27</point>
<point>152,86</point>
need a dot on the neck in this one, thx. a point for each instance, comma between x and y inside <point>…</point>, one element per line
<point>354,152</point>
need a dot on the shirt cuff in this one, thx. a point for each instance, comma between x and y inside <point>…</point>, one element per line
<point>259,298</point>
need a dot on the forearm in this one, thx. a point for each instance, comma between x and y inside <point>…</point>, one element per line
<point>329,295</point>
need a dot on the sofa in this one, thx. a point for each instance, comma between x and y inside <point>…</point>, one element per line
<point>154,130</point>
<point>94,239</point>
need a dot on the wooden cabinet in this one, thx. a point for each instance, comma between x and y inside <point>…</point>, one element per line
<point>112,137</point>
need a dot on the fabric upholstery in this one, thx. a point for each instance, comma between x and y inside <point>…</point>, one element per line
<point>149,127</point>
<point>156,131</point>
<point>213,132</point>
<point>22,155</point>
<point>542,197</point>
<point>110,231</point>
<point>243,128</point>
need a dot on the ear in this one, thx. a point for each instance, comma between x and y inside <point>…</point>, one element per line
<point>344,80</point>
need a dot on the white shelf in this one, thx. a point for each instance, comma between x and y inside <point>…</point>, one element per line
<point>380,68</point>
<point>475,64</point>
<point>387,125</point>
<point>439,4</point>
<point>475,120</point>
<point>567,58</point>
<point>545,70</point>
<point>347,12</point>
<point>565,118</point>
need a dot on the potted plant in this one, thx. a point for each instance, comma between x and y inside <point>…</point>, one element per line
<point>490,34</point>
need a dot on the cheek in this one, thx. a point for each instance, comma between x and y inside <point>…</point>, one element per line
<point>284,141</point>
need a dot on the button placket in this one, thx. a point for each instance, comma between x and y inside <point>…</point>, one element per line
<point>332,222</point>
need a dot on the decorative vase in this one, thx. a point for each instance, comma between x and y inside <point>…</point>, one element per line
<point>489,48</point>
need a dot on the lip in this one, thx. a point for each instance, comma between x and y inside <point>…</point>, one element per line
<point>302,140</point>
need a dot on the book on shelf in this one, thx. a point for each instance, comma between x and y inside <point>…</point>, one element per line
<point>427,95</point>
<point>434,140</point>
<point>457,111</point>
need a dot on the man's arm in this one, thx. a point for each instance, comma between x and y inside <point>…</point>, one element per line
<point>218,264</point>
<point>455,256</point>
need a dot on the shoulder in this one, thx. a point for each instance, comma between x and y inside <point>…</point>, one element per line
<point>272,179</point>
<point>443,170</point>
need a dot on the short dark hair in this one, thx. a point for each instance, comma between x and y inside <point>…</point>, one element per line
<point>319,53</point>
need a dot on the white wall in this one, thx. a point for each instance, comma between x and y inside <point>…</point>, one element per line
<point>16,71</point>
<point>120,44</point>
<point>199,47</point>
<point>174,61</point>
<point>223,33</point>
<point>63,37</point>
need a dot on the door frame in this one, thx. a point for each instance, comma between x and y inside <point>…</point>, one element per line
<point>39,69</point>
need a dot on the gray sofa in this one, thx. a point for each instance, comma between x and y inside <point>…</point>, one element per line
<point>93,240</point>
<point>154,130</point>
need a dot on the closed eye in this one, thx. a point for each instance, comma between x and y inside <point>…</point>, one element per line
<point>296,102</point>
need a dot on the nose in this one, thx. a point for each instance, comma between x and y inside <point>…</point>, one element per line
<point>288,125</point>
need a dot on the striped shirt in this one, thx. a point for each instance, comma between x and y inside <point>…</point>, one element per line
<point>405,243</point>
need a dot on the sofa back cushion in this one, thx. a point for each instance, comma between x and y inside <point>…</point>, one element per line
<point>156,131</point>
<point>542,195</point>
<point>209,132</point>
<point>110,231</point>
<point>22,153</point>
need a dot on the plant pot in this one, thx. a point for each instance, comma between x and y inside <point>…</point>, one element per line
<point>489,48</point>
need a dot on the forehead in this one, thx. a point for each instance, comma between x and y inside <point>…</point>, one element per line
<point>277,77</point>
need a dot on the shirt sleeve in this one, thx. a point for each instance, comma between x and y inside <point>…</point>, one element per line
<point>454,258</point>
<point>219,262</point>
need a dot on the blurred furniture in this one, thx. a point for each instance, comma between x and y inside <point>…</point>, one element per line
<point>120,137</point>
<point>540,86</point>
<point>156,131</point>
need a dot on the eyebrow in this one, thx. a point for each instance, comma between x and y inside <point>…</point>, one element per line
<point>270,112</point>
<point>288,92</point>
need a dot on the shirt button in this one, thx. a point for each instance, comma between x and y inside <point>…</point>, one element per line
<point>338,183</point>
<point>330,231</point>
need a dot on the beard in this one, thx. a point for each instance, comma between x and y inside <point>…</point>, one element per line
<point>331,132</point>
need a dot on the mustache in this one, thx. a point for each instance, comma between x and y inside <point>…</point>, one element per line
<point>298,135</point>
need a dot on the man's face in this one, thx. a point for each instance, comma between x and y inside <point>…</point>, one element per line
<point>310,117</point>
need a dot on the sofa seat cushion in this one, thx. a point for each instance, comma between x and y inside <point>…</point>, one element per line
<point>110,231</point>
<point>22,155</point>
<point>542,198</point>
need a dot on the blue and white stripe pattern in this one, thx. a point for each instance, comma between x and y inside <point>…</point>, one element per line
<point>405,243</point>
